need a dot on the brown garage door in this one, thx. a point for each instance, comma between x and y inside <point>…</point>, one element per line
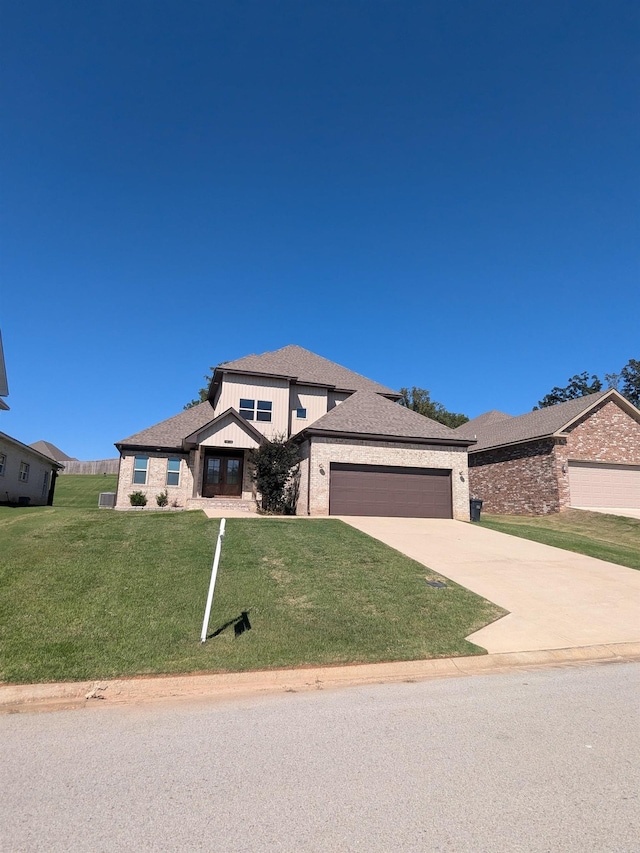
<point>603,485</point>
<point>387,490</point>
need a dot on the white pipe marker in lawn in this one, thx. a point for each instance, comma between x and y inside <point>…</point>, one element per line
<point>214,572</point>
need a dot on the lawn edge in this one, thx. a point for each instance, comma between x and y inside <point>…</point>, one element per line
<point>20,698</point>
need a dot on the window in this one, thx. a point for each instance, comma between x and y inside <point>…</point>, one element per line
<point>250,412</point>
<point>264,410</point>
<point>140,466</point>
<point>173,472</point>
<point>301,413</point>
<point>247,408</point>
<point>3,462</point>
<point>23,475</point>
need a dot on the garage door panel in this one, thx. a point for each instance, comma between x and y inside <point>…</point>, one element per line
<point>602,485</point>
<point>392,491</point>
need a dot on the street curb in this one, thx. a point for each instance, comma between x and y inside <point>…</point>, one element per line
<point>19,698</point>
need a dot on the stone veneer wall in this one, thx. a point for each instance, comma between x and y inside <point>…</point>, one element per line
<point>325,450</point>
<point>516,480</point>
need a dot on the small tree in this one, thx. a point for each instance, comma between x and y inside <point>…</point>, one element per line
<point>276,466</point>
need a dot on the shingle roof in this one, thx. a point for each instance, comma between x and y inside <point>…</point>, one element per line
<point>367,413</point>
<point>169,433</point>
<point>51,450</point>
<point>534,425</point>
<point>305,367</point>
<point>470,428</point>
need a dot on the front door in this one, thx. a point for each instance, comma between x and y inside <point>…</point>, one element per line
<point>222,475</point>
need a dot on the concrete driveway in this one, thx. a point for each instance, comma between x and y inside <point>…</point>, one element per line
<point>556,599</point>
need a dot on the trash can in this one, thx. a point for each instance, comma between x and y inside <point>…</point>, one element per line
<point>474,509</point>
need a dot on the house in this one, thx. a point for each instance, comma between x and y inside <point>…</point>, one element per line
<point>27,476</point>
<point>51,450</point>
<point>581,453</point>
<point>362,453</point>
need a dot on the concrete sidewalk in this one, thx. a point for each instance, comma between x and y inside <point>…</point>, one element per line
<point>555,598</point>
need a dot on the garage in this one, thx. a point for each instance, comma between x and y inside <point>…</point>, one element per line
<point>600,484</point>
<point>387,490</point>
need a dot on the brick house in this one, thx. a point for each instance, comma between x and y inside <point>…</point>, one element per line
<point>362,453</point>
<point>581,453</point>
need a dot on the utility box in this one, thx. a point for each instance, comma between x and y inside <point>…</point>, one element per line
<point>474,509</point>
<point>24,500</point>
<point>107,500</point>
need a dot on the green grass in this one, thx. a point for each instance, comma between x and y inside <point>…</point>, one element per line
<point>82,490</point>
<point>91,593</point>
<point>607,537</point>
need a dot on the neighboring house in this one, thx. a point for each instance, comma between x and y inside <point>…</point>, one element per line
<point>26,475</point>
<point>362,453</point>
<point>582,453</point>
<point>51,450</point>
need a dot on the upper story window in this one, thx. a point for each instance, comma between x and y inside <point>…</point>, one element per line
<point>23,474</point>
<point>173,472</point>
<point>252,412</point>
<point>248,409</point>
<point>301,413</point>
<point>140,468</point>
<point>3,463</point>
<point>264,410</point>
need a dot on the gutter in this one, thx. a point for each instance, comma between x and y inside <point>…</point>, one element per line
<point>401,439</point>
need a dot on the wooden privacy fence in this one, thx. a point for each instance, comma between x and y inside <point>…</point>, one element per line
<point>100,466</point>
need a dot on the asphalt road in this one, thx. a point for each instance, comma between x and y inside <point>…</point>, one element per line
<point>544,761</point>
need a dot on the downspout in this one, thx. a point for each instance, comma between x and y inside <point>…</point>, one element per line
<point>309,480</point>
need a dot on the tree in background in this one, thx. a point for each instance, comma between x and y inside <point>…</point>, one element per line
<point>419,400</point>
<point>630,375</point>
<point>579,386</point>
<point>204,392</point>
<point>627,382</point>
<point>276,466</point>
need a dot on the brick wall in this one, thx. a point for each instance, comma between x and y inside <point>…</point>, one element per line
<point>156,479</point>
<point>324,450</point>
<point>533,478</point>
<point>517,480</point>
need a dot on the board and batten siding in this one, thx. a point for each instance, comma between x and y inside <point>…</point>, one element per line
<point>274,390</point>
<point>228,433</point>
<point>314,400</point>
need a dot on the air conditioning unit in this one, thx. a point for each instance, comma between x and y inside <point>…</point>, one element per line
<point>107,499</point>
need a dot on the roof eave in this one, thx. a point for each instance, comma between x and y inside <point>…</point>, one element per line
<point>369,436</point>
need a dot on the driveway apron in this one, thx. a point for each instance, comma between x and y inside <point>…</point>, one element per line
<point>555,598</point>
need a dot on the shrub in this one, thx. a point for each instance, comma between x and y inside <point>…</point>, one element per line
<point>162,499</point>
<point>138,499</point>
<point>276,465</point>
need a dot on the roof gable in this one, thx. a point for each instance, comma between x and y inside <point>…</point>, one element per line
<point>302,366</point>
<point>230,415</point>
<point>365,413</point>
<point>544,423</point>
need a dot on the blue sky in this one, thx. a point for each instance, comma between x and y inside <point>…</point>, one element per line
<point>442,194</point>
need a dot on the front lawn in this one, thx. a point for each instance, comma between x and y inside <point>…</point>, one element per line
<point>91,593</point>
<point>607,537</point>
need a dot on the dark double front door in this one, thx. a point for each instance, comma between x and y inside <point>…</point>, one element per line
<point>222,475</point>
